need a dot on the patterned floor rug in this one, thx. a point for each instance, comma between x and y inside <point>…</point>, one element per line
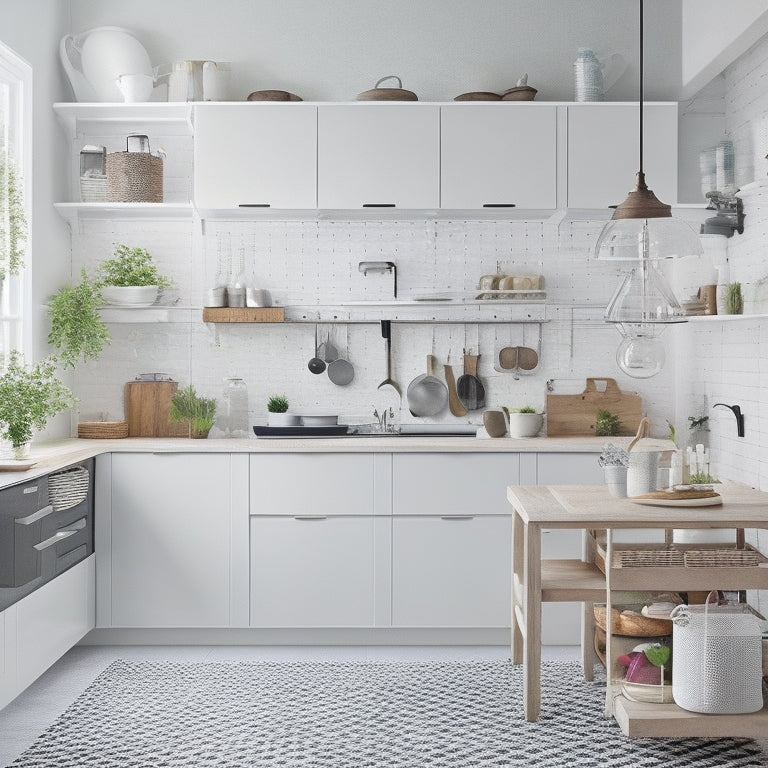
<point>351,715</point>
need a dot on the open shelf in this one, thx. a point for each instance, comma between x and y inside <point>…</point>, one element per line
<point>72,213</point>
<point>80,119</point>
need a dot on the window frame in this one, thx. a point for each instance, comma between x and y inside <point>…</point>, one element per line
<point>16,74</point>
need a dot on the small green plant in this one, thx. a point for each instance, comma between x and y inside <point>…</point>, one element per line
<point>277,404</point>
<point>607,424</point>
<point>671,434</point>
<point>702,478</point>
<point>29,397</point>
<point>13,221</point>
<point>131,266</point>
<point>526,409</point>
<point>77,330</point>
<point>733,300</point>
<point>198,412</point>
<point>698,423</point>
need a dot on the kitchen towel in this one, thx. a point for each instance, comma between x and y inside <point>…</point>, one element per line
<point>333,714</point>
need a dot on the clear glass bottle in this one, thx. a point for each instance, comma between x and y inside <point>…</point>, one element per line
<point>234,421</point>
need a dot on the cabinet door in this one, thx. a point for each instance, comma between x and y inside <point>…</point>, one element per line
<point>451,571</point>
<point>53,619</point>
<point>372,155</point>
<point>261,155</point>
<point>312,484</point>
<point>170,557</point>
<point>453,483</point>
<point>7,655</point>
<point>312,572</point>
<point>496,155</point>
<point>603,159</point>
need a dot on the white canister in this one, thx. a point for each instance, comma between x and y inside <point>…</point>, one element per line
<point>642,472</point>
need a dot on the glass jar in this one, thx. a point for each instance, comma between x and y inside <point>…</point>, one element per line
<point>234,412</point>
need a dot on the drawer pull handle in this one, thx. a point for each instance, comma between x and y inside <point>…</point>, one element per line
<point>499,205</point>
<point>35,516</point>
<point>254,205</point>
<point>310,517</point>
<point>379,205</point>
<point>55,539</point>
<point>457,517</point>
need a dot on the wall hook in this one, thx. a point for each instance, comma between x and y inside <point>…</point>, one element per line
<point>738,414</point>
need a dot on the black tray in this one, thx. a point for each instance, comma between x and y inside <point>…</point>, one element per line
<point>330,430</point>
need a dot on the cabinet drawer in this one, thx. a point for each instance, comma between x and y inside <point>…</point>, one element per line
<point>312,572</point>
<point>453,483</point>
<point>312,483</point>
<point>451,571</point>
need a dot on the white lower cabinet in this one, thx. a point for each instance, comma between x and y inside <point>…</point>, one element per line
<point>170,525</point>
<point>42,627</point>
<point>451,571</point>
<point>312,571</point>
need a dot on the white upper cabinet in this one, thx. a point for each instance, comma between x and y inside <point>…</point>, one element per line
<point>263,156</point>
<point>498,156</point>
<point>378,155</point>
<point>603,152</point>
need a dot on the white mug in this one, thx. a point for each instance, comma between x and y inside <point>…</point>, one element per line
<point>135,87</point>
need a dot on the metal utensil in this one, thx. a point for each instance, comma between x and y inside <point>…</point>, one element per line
<point>469,388</point>
<point>341,371</point>
<point>316,364</point>
<point>456,406</point>
<point>386,332</point>
<point>426,394</point>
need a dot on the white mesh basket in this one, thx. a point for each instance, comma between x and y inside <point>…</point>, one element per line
<point>716,659</point>
<point>68,488</point>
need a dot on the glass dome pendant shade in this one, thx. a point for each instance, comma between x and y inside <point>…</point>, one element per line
<point>641,352</point>
<point>644,297</point>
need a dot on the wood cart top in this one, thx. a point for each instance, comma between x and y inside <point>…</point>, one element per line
<point>592,506</point>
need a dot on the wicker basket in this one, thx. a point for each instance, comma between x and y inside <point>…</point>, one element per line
<point>632,623</point>
<point>68,488</point>
<point>102,430</point>
<point>721,558</point>
<point>134,177</point>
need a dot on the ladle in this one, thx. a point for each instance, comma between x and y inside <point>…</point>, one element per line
<point>316,364</point>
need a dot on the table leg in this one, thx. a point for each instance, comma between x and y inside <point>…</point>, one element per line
<point>518,579</point>
<point>532,614</point>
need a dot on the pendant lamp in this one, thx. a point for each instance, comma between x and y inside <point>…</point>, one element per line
<point>641,232</point>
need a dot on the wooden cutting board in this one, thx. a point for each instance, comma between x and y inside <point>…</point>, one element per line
<point>147,405</point>
<point>575,415</point>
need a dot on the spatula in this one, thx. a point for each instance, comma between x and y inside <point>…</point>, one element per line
<point>454,404</point>
<point>386,332</point>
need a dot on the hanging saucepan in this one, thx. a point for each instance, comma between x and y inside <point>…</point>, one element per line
<point>341,371</point>
<point>388,94</point>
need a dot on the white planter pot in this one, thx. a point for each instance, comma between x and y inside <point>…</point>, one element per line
<point>282,419</point>
<point>616,478</point>
<point>525,424</point>
<point>130,295</point>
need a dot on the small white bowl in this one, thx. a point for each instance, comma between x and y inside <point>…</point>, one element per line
<point>130,295</point>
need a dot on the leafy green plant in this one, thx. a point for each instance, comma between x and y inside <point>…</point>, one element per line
<point>607,424</point>
<point>698,423</point>
<point>198,412</point>
<point>671,434</point>
<point>76,326</point>
<point>131,266</point>
<point>13,221</point>
<point>277,404</point>
<point>734,301</point>
<point>702,478</point>
<point>29,397</point>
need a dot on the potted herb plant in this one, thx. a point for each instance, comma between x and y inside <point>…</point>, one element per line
<point>524,422</point>
<point>131,278</point>
<point>277,412</point>
<point>29,397</point>
<point>199,413</point>
<point>615,462</point>
<point>734,301</point>
<point>607,424</point>
<point>77,330</point>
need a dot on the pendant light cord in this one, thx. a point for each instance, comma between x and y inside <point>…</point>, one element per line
<point>642,78</point>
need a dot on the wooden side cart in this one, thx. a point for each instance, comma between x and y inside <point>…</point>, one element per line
<point>605,567</point>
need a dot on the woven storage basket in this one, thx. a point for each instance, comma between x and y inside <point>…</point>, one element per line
<point>721,558</point>
<point>717,655</point>
<point>134,177</point>
<point>102,430</point>
<point>68,488</point>
<point>632,624</point>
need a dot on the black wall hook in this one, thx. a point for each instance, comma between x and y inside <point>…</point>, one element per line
<point>738,414</point>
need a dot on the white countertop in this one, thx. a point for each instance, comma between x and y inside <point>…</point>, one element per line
<point>54,455</point>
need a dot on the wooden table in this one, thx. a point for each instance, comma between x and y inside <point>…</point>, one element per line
<point>591,508</point>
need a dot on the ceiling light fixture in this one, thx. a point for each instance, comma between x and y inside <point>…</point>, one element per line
<point>643,231</point>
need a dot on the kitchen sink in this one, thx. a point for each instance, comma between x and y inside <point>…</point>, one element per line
<point>417,430</point>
